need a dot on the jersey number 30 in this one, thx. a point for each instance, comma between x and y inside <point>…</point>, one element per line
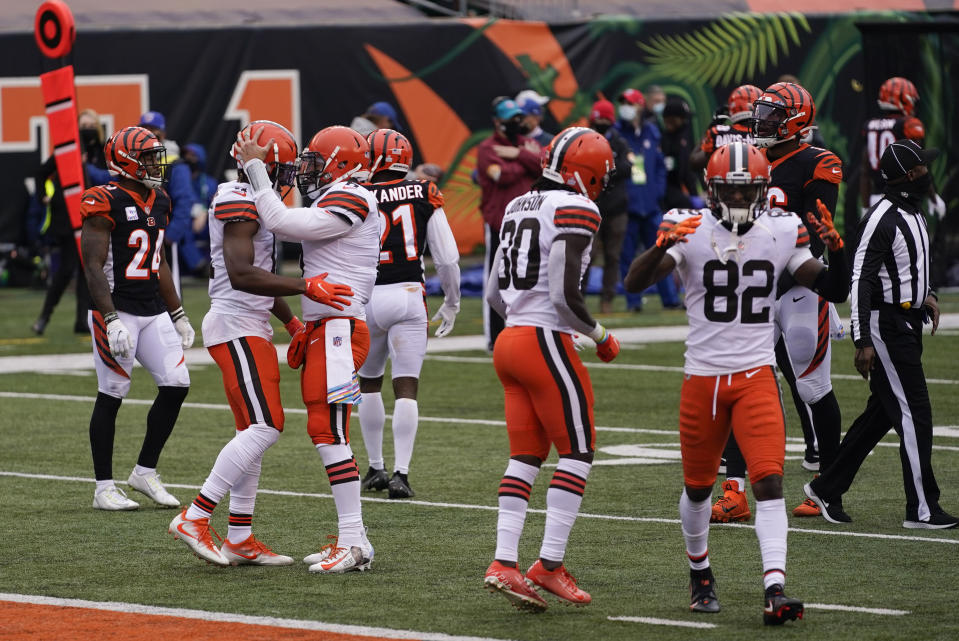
<point>514,237</point>
<point>715,292</point>
<point>137,268</point>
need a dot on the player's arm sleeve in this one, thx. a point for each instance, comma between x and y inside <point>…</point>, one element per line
<point>493,296</point>
<point>446,256</point>
<point>300,223</point>
<point>823,185</point>
<point>564,268</point>
<point>654,264</point>
<point>874,246</point>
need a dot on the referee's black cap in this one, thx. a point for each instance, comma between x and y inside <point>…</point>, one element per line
<point>903,155</point>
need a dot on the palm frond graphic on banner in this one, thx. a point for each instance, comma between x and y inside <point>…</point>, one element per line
<point>724,52</point>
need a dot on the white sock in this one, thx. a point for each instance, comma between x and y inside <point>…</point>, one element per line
<point>372,418</point>
<point>345,485</point>
<point>232,462</point>
<point>103,485</point>
<point>406,416</point>
<point>242,501</point>
<point>139,470</point>
<point>740,482</point>
<point>514,491</point>
<point>694,516</point>
<point>771,528</point>
<point>563,498</point>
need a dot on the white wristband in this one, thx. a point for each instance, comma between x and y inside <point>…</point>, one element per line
<point>598,334</point>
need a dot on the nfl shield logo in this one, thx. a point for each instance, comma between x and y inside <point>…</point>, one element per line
<point>337,341</point>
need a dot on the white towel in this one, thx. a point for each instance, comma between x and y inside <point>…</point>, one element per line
<point>342,384</point>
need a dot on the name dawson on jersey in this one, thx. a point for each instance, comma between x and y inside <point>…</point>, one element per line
<point>400,192</point>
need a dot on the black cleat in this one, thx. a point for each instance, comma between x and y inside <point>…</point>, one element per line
<point>831,511</point>
<point>702,591</point>
<point>779,607</point>
<point>400,487</point>
<point>375,480</point>
<point>938,521</point>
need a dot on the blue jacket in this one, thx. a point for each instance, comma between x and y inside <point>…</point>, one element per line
<point>180,188</point>
<point>646,186</point>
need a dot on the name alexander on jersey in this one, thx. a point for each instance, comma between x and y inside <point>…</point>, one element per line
<point>399,193</point>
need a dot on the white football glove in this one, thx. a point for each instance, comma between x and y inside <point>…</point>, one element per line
<point>447,317</point>
<point>937,207</point>
<point>182,325</point>
<point>121,343</point>
<point>581,342</point>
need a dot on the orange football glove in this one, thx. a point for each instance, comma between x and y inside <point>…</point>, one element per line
<point>825,227</point>
<point>326,293</point>
<point>294,326</point>
<point>607,348</point>
<point>296,352</point>
<point>666,237</point>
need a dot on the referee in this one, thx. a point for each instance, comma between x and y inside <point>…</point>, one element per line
<point>891,299</point>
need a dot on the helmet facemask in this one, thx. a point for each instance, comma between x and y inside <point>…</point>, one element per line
<point>768,123</point>
<point>738,199</point>
<point>151,166</point>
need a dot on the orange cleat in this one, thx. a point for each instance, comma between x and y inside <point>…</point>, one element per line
<point>807,508</point>
<point>509,582</point>
<point>732,506</point>
<point>559,582</point>
<point>252,551</point>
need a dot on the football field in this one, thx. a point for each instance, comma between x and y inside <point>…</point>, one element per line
<point>71,572</point>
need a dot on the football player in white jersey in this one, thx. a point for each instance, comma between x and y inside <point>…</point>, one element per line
<point>413,216</point>
<point>534,284</point>
<point>340,234</point>
<point>244,290</point>
<point>729,267</point>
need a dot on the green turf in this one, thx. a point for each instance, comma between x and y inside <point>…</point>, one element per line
<point>430,556</point>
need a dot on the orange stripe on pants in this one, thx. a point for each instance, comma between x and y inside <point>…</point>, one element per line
<point>548,394</point>
<point>254,395</point>
<point>322,418</point>
<point>710,406</point>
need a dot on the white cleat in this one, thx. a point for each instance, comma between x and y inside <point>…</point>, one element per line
<point>150,485</point>
<point>316,557</point>
<point>195,533</point>
<point>113,499</point>
<point>252,552</point>
<point>340,560</point>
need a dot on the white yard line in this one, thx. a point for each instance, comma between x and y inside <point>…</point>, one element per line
<point>493,508</point>
<point>225,617</point>
<point>672,622</point>
<point>853,608</point>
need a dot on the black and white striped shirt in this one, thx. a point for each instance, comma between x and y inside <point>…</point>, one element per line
<point>891,264</point>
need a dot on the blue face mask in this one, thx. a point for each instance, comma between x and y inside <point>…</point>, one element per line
<point>658,108</point>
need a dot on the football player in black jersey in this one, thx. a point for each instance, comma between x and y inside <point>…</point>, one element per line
<point>413,217</point>
<point>801,177</point>
<point>136,312</point>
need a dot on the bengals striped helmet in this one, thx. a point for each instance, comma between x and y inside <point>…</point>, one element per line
<point>898,94</point>
<point>783,112</point>
<point>334,154</point>
<point>737,178</point>
<point>134,152</point>
<point>740,103</point>
<point>281,159</point>
<point>580,158</point>
<point>390,151</point>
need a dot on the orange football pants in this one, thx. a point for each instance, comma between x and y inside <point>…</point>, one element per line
<point>746,402</point>
<point>548,394</point>
<point>325,423</point>
<point>251,379</point>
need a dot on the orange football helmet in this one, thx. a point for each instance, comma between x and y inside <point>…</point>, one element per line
<point>334,154</point>
<point>737,178</point>
<point>580,158</point>
<point>390,151</point>
<point>783,112</point>
<point>134,152</point>
<point>898,94</point>
<point>740,103</point>
<point>281,159</point>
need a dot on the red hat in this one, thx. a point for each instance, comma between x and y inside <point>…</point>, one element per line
<point>633,97</point>
<point>602,109</point>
